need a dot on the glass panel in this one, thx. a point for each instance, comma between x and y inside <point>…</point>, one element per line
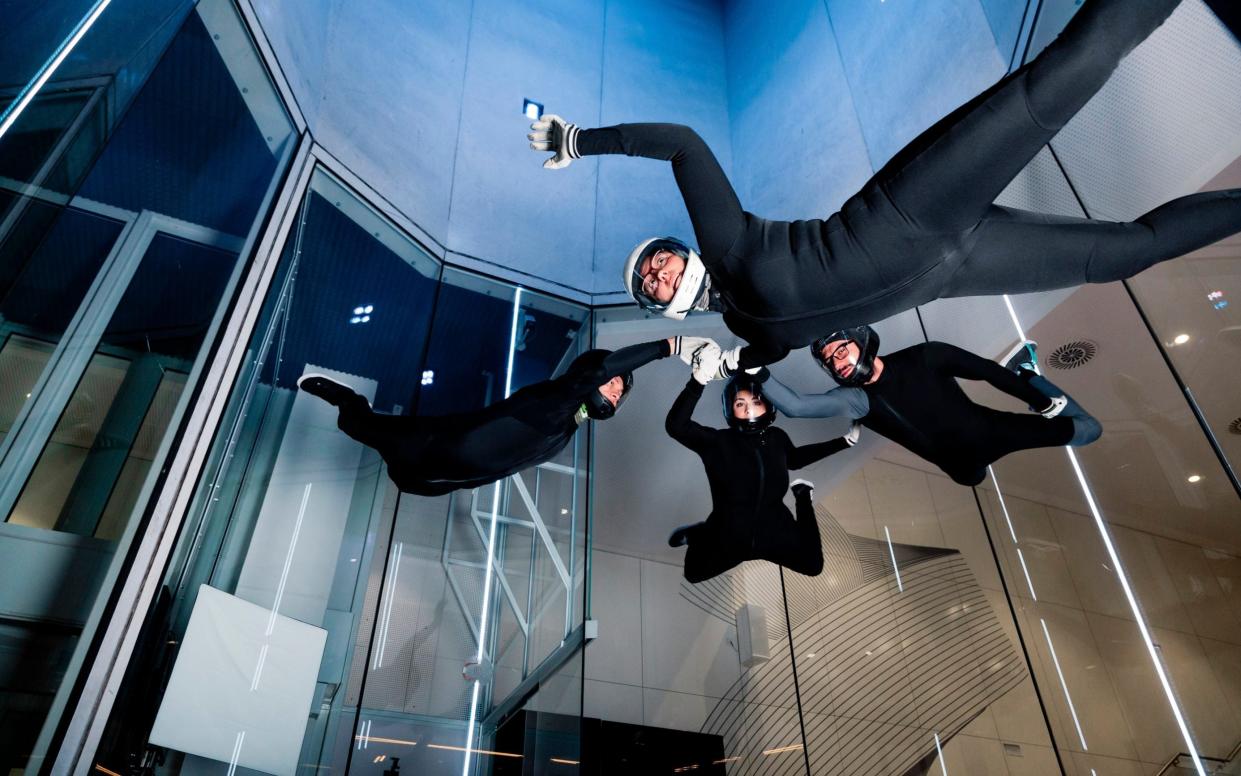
<point>33,33</point>
<point>117,299</point>
<point>1194,306</point>
<point>297,520</point>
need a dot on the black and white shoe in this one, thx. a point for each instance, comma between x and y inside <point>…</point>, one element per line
<point>331,391</point>
<point>680,537</point>
<point>801,487</point>
<point>1023,356</point>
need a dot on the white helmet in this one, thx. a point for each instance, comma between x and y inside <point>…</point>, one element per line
<point>693,279</point>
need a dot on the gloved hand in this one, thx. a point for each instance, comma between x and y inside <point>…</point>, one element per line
<point>729,360</point>
<point>685,347</point>
<point>552,133</point>
<point>855,431</point>
<point>1058,403</point>
<point>706,363</point>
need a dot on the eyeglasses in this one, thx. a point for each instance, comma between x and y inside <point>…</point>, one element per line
<point>841,352</point>
<point>649,281</point>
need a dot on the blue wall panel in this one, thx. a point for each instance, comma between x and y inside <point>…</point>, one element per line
<point>301,43</point>
<point>910,62</point>
<point>392,99</point>
<point>505,207</point>
<point>797,146</point>
<point>663,62</point>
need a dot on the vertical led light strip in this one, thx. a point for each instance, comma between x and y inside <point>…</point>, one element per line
<point>1124,584</point>
<point>491,542</point>
<point>28,94</point>
<point>892,554</point>
<point>1064,685</point>
<point>943,766</point>
<point>1011,531</point>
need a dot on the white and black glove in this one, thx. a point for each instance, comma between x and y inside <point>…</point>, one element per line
<point>1058,403</point>
<point>552,133</point>
<point>685,347</point>
<point>855,432</point>
<point>705,363</point>
<point>728,363</point>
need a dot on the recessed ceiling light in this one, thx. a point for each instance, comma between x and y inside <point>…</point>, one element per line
<point>1195,478</point>
<point>1180,339</point>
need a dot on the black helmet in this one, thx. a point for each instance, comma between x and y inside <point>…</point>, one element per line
<point>867,340</point>
<point>597,405</point>
<point>753,384</point>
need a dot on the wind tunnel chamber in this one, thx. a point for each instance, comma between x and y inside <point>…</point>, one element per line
<point>202,575</point>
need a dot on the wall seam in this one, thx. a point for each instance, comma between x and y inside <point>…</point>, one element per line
<point>594,226</point>
<point>456,151</point>
<point>831,27</point>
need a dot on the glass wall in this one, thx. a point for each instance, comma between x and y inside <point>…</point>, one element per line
<point>117,260</point>
<point>362,624</point>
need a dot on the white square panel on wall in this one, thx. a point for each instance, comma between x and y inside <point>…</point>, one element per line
<point>242,685</point>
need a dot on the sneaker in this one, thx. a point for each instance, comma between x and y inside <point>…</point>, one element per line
<point>1023,356</point>
<point>331,391</point>
<point>801,487</point>
<point>680,537</point>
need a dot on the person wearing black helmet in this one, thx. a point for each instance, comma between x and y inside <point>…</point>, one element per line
<point>912,398</point>
<point>922,228</point>
<point>747,467</point>
<point>430,456</point>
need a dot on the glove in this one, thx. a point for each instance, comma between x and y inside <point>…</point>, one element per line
<point>706,363</point>
<point>1058,403</point>
<point>855,431</point>
<point>552,133</point>
<point>728,362</point>
<point>685,347</point>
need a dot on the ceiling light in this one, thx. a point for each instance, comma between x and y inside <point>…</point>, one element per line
<point>428,377</point>
<point>1195,478</point>
<point>355,319</point>
<point>1180,339</point>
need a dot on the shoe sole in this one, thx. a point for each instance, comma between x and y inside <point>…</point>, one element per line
<point>1012,353</point>
<point>330,379</point>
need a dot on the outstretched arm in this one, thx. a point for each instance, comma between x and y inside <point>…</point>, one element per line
<point>804,455</point>
<point>848,402</point>
<point>584,379</point>
<point>713,206</point>
<point>956,362</point>
<point>679,423</point>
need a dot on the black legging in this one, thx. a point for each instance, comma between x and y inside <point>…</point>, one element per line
<point>947,179</point>
<point>792,542</point>
<point>925,225</point>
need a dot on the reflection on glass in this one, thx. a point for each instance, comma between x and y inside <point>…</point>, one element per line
<point>118,249</point>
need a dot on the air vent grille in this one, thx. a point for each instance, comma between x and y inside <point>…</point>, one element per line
<point>1235,426</point>
<point>1071,355</point>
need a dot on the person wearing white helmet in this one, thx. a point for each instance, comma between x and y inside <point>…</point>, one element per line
<point>922,228</point>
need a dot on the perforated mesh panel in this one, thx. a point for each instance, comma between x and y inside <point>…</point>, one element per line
<point>1164,124</point>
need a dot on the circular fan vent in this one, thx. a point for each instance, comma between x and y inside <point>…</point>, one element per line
<point>1072,354</point>
<point>1235,426</point>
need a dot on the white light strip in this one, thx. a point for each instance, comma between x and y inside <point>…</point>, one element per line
<point>942,765</point>
<point>1124,584</point>
<point>1013,314</point>
<point>1064,685</point>
<point>491,543</point>
<point>50,67</point>
<point>397,552</point>
<point>288,560</point>
<point>232,764</point>
<point>1003,506</point>
<point>258,669</point>
<point>1137,614</point>
<point>892,553</point>
<point>1021,557</point>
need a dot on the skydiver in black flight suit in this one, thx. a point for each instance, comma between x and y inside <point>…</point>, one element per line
<point>431,456</point>
<point>922,228</point>
<point>912,398</point>
<point>748,471</point>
